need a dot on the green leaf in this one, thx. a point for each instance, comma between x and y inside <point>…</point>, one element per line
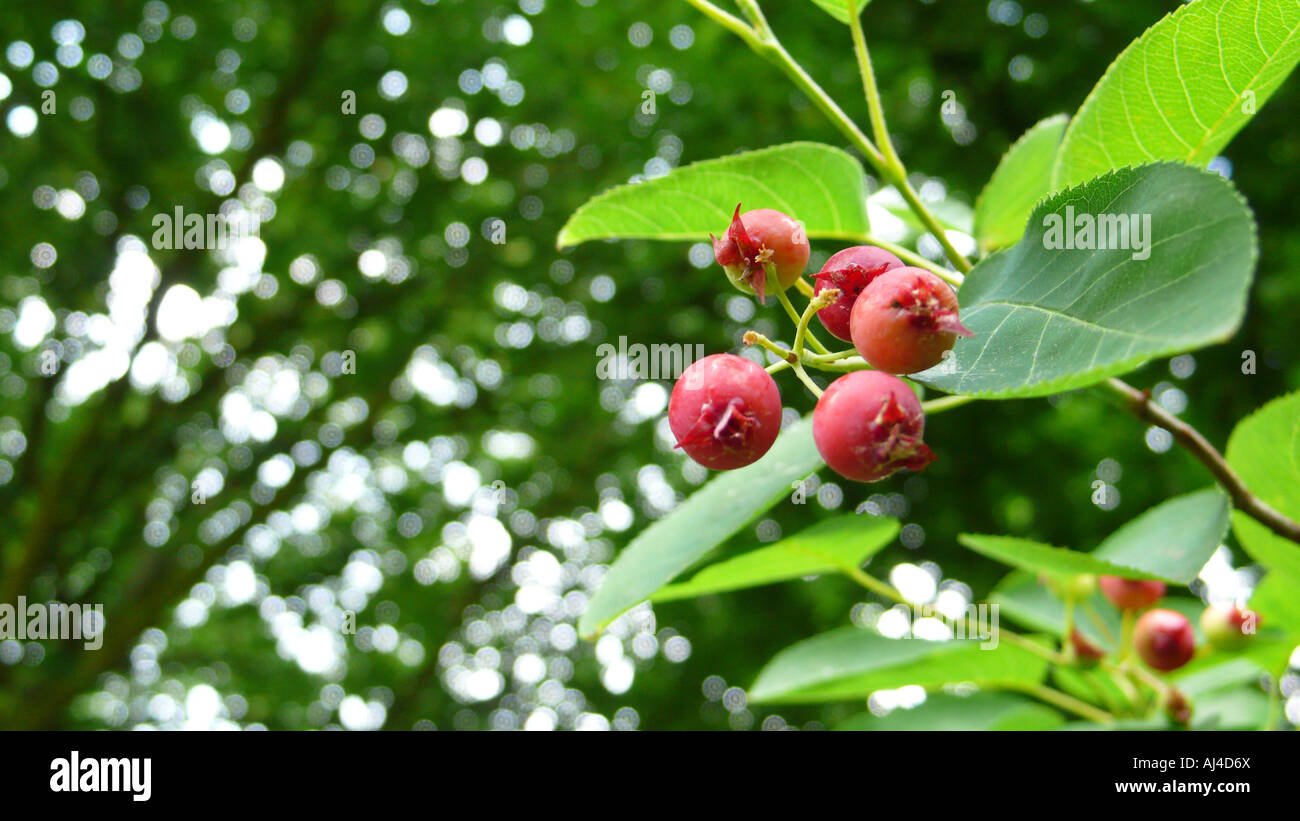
<point>1220,675</point>
<point>1170,542</point>
<point>840,9</point>
<point>1264,450</point>
<point>1050,320</point>
<point>979,711</point>
<point>830,546</point>
<point>851,663</point>
<point>822,187</point>
<point>711,515</point>
<point>1173,540</point>
<point>1022,178</point>
<point>1041,558</point>
<point>1184,88</point>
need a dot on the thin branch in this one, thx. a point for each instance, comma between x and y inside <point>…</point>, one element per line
<point>1140,405</point>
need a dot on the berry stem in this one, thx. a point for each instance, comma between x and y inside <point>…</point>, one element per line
<point>1066,702</point>
<point>1140,405</point>
<point>913,258</point>
<point>943,403</point>
<point>796,318</point>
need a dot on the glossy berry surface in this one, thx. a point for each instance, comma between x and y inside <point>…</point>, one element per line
<point>725,411</point>
<point>762,251</point>
<point>1164,639</point>
<point>905,320</point>
<point>851,271</point>
<point>869,424</point>
<point>1131,594</point>
<point>1228,627</point>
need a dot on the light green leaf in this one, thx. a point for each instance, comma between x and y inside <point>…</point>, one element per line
<point>851,663</point>
<point>1048,320</point>
<point>1172,540</point>
<point>840,9</point>
<point>1184,88</point>
<point>830,546</point>
<point>1037,557</point>
<point>822,187</point>
<point>711,515</point>
<point>1264,450</point>
<point>979,711</point>
<point>1022,178</point>
<point>1217,675</point>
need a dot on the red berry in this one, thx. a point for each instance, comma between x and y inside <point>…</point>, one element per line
<point>725,411</point>
<point>1131,594</point>
<point>760,243</point>
<point>1228,627</point>
<point>850,271</point>
<point>1085,651</point>
<point>869,424</point>
<point>1164,639</point>
<point>1177,707</point>
<point>905,320</point>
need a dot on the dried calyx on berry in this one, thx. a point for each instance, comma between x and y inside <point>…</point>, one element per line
<point>850,271</point>
<point>905,320</point>
<point>762,250</point>
<point>869,424</point>
<point>725,411</point>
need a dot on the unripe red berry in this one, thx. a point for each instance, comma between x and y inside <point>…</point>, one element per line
<point>1177,707</point>
<point>1131,594</point>
<point>725,411</point>
<point>1228,627</point>
<point>869,424</point>
<point>1164,639</point>
<point>1087,653</point>
<point>759,244</point>
<point>904,321</point>
<point>850,270</point>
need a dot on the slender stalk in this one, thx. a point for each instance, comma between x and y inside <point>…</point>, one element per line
<point>1066,702</point>
<point>1140,405</point>
<point>944,403</point>
<point>795,317</point>
<point>913,258</point>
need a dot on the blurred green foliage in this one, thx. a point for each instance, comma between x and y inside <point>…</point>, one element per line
<point>230,610</point>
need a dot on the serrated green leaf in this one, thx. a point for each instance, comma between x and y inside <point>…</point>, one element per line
<point>830,546</point>
<point>851,663</point>
<point>1184,88</point>
<point>839,9</point>
<point>1049,320</point>
<point>979,711</point>
<point>1264,450</point>
<point>1022,178</point>
<point>711,515</point>
<point>1172,540</point>
<point>822,187</point>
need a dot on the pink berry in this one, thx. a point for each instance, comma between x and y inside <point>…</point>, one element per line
<point>1131,594</point>
<point>725,411</point>
<point>1087,653</point>
<point>905,320</point>
<point>760,243</point>
<point>1228,627</point>
<point>1164,639</point>
<point>869,424</point>
<point>850,271</point>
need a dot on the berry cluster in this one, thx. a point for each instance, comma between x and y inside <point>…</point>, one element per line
<point>726,411</point>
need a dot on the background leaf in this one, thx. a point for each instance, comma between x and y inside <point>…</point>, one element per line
<point>1179,92</point>
<point>839,9</point>
<point>1172,540</point>
<point>710,516</point>
<point>851,663</point>
<point>822,187</point>
<point>979,711</point>
<point>1264,450</point>
<point>1036,557</point>
<point>1050,320</point>
<point>1022,178</point>
<point>830,546</point>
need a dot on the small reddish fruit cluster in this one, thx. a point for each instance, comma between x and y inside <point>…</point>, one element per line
<point>726,411</point>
